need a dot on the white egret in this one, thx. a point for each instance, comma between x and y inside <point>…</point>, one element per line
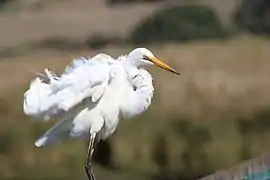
<point>90,97</point>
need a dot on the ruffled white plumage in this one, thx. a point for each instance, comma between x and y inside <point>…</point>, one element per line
<point>82,79</point>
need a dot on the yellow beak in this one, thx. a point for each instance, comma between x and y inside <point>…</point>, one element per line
<point>163,65</point>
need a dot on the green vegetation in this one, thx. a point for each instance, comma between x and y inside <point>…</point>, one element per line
<point>253,16</point>
<point>178,24</point>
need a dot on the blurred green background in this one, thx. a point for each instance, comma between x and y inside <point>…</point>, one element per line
<point>213,116</point>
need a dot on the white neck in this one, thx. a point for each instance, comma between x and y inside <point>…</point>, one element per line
<point>138,100</point>
<point>130,66</point>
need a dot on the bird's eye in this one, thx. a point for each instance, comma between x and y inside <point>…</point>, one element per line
<point>145,58</point>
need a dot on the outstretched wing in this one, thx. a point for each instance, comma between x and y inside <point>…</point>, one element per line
<point>82,79</point>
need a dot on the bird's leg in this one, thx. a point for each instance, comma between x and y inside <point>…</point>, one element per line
<point>88,166</point>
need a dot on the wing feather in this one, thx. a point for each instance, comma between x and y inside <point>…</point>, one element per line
<point>82,79</point>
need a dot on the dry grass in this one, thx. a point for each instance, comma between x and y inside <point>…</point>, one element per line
<point>220,82</point>
<point>68,19</point>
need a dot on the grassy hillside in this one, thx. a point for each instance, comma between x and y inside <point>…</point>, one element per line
<point>212,116</point>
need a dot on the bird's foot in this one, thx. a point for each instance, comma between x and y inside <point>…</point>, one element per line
<point>89,172</point>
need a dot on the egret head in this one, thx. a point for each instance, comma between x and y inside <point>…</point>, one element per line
<point>142,57</point>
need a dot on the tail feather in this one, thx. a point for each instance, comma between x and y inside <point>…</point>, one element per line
<point>41,141</point>
<point>58,132</point>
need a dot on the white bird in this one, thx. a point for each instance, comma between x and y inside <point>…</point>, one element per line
<point>91,96</point>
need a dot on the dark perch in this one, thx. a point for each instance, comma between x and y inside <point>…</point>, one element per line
<point>254,169</point>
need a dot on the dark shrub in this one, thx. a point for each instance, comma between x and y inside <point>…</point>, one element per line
<point>4,2</point>
<point>178,24</point>
<point>254,16</point>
